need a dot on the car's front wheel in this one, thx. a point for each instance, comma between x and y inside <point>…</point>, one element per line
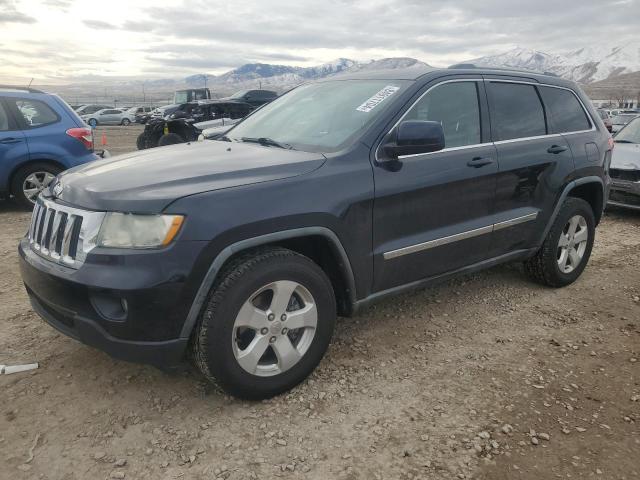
<point>29,181</point>
<point>266,325</point>
<point>125,122</point>
<point>567,247</point>
<point>93,122</point>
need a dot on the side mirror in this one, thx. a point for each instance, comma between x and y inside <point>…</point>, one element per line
<point>414,137</point>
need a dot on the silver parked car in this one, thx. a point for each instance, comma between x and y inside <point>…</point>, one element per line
<point>625,167</point>
<point>621,120</point>
<point>108,116</point>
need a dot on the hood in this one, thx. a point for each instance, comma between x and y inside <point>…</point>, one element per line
<point>148,180</point>
<point>626,156</point>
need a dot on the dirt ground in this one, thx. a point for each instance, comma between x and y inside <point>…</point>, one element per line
<point>118,139</point>
<point>489,376</point>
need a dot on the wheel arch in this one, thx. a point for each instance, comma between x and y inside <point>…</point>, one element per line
<point>22,165</point>
<point>320,244</point>
<point>591,189</point>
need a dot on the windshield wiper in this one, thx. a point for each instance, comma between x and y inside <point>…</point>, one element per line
<point>267,142</point>
<point>623,141</point>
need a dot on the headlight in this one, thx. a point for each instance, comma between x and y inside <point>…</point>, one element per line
<point>127,230</point>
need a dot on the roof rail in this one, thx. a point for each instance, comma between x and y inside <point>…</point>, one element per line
<point>462,65</point>
<point>551,74</point>
<point>18,87</point>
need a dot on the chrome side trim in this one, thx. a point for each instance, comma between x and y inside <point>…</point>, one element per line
<point>451,149</point>
<point>437,242</point>
<point>459,236</point>
<point>515,221</point>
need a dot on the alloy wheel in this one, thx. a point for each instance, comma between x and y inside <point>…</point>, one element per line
<point>572,244</point>
<point>274,328</point>
<point>35,183</point>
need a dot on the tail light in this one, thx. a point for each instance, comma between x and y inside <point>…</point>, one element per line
<point>83,135</point>
<point>611,143</point>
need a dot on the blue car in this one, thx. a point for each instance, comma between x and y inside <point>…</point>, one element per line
<point>40,136</point>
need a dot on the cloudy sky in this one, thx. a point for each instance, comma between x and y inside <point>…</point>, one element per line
<point>58,40</point>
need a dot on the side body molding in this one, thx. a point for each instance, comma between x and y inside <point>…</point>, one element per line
<point>226,253</point>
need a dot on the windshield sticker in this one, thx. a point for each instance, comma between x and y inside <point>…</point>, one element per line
<point>377,99</point>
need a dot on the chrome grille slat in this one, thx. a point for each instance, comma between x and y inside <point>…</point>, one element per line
<point>45,244</point>
<point>63,234</point>
<point>53,235</point>
<point>66,238</point>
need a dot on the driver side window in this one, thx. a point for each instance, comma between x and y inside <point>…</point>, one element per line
<point>455,106</point>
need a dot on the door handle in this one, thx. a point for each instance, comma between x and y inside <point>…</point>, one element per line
<point>556,149</point>
<point>10,140</point>
<point>478,162</point>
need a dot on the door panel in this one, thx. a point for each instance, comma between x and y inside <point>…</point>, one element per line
<point>527,186</point>
<point>533,164</point>
<point>432,198</point>
<point>433,211</point>
<point>13,145</point>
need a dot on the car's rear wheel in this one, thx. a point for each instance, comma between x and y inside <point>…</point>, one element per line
<point>125,122</point>
<point>29,181</point>
<point>266,325</point>
<point>567,247</point>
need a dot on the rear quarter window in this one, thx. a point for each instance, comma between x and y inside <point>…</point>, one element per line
<point>565,111</point>
<point>516,111</point>
<point>35,112</point>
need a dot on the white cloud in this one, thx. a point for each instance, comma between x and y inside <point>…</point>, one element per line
<point>55,40</point>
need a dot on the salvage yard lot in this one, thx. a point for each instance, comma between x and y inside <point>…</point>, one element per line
<point>488,376</point>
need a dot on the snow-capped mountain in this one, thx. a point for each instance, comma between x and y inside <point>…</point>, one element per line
<point>585,65</point>
<point>279,77</point>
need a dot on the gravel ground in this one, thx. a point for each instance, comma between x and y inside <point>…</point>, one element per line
<point>118,139</point>
<point>488,377</point>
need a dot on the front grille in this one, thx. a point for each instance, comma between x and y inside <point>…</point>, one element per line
<point>628,175</point>
<point>63,234</point>
<point>55,233</point>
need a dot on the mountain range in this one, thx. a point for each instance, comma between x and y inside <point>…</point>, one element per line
<point>585,65</point>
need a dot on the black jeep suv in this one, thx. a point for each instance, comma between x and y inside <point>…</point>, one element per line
<point>240,253</point>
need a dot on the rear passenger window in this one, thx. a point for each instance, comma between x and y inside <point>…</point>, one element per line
<point>567,115</point>
<point>455,107</point>
<point>35,112</point>
<point>516,111</point>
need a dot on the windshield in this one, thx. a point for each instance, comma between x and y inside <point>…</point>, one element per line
<point>320,117</point>
<point>622,119</point>
<point>630,133</point>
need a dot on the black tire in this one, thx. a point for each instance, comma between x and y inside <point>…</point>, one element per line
<point>170,139</point>
<point>21,175</point>
<point>212,347</point>
<point>125,122</point>
<point>93,122</point>
<point>141,141</point>
<point>543,267</point>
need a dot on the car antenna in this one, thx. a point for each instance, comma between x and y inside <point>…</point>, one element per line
<point>29,86</point>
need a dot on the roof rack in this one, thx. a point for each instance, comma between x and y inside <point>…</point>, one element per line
<point>502,69</point>
<point>18,87</point>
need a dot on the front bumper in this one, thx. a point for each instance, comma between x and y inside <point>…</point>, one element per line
<point>132,307</point>
<point>624,193</point>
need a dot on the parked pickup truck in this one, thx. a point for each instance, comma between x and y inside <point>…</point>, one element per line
<point>239,253</point>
